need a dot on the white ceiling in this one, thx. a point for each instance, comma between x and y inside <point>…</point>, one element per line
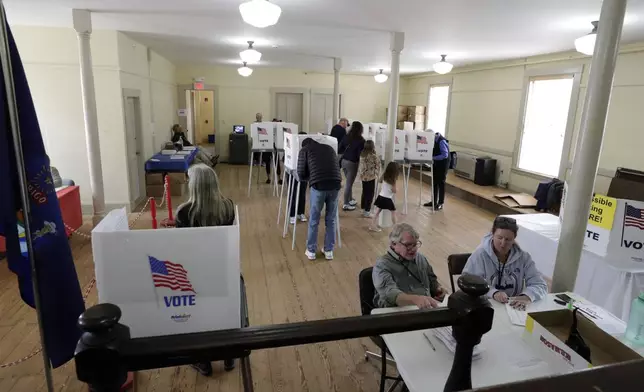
<point>311,32</point>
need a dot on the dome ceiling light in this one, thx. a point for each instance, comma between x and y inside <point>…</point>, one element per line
<point>586,44</point>
<point>260,13</point>
<point>443,67</point>
<point>245,71</point>
<point>250,55</point>
<point>381,78</point>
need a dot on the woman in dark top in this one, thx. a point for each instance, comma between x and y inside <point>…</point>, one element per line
<point>352,145</point>
<point>179,137</point>
<point>205,207</point>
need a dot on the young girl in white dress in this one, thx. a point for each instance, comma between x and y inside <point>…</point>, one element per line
<point>385,199</point>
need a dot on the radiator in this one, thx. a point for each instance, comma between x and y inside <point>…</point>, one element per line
<point>465,165</point>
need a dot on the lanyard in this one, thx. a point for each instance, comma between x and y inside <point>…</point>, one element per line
<point>415,277</point>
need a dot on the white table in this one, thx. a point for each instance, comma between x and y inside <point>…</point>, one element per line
<point>598,281</point>
<point>506,357</point>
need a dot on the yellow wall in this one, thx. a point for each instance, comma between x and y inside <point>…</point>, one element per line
<point>486,104</point>
<point>51,60</point>
<point>239,98</point>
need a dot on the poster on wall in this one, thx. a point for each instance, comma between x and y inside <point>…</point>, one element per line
<point>262,135</point>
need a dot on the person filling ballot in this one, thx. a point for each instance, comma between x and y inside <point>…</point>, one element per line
<point>510,271</point>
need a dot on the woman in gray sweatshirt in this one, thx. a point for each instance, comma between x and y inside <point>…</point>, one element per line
<point>509,270</point>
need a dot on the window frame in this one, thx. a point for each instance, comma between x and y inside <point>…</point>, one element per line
<point>546,74</point>
<point>449,84</point>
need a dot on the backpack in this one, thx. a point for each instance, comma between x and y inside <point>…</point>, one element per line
<point>555,194</point>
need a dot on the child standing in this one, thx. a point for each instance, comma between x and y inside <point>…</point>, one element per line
<point>369,168</point>
<point>385,200</point>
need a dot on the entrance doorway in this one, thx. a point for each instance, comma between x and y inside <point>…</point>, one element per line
<point>290,108</point>
<point>201,115</point>
<point>322,112</point>
<point>134,146</point>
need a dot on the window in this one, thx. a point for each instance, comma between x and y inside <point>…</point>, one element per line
<point>544,125</point>
<point>437,108</point>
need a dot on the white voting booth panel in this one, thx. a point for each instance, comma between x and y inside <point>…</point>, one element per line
<point>420,146</point>
<point>169,281</point>
<point>293,144</point>
<point>262,135</point>
<point>371,130</point>
<point>280,130</point>
<point>381,142</point>
<point>399,145</point>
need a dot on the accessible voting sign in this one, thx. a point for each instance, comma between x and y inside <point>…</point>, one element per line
<point>169,281</point>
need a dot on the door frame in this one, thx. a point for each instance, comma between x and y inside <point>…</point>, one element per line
<point>329,91</point>
<point>134,93</point>
<point>306,103</point>
<point>182,104</point>
<point>274,106</point>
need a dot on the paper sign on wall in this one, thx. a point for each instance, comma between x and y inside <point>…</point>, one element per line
<point>182,112</point>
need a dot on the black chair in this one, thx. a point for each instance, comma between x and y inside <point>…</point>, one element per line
<point>367,294</point>
<point>455,265</point>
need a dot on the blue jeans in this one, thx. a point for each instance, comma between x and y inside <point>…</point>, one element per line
<point>318,200</point>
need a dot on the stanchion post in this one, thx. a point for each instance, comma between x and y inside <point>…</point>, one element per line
<point>168,198</point>
<point>259,170</point>
<point>153,212</point>
<point>288,204</point>
<point>250,171</point>
<point>279,211</point>
<point>420,183</point>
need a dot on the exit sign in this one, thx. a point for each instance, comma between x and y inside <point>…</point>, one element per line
<point>198,85</point>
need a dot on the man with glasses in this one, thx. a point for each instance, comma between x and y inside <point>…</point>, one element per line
<point>403,276</point>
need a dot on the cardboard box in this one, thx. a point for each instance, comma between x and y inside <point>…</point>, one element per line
<point>627,184</point>
<point>416,110</point>
<point>517,200</point>
<point>546,333</point>
<point>178,178</point>
<point>154,178</point>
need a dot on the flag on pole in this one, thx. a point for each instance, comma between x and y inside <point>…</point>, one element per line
<point>60,293</point>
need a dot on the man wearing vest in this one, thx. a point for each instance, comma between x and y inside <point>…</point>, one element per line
<point>439,170</point>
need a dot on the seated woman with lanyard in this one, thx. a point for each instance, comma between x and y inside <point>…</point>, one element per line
<point>206,206</point>
<point>179,137</point>
<point>510,271</point>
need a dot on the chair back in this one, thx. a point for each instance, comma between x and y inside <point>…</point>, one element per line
<point>367,290</point>
<point>455,265</point>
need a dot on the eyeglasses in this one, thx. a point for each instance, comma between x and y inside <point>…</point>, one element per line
<point>413,245</point>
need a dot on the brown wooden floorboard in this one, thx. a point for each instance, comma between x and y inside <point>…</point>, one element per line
<point>282,286</point>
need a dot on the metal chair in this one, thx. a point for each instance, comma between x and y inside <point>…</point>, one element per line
<point>455,265</point>
<point>367,293</point>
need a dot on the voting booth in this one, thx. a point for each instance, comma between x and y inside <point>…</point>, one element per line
<point>263,135</point>
<point>420,146</point>
<point>293,144</point>
<point>280,129</point>
<point>399,145</point>
<point>170,281</point>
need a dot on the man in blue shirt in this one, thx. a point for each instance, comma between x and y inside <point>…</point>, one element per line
<point>339,130</point>
<point>439,171</point>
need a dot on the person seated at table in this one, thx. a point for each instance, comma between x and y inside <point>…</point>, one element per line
<point>510,271</point>
<point>206,206</point>
<point>179,136</point>
<point>403,276</point>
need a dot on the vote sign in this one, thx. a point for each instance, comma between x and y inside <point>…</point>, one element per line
<point>262,135</point>
<point>420,145</point>
<point>170,281</point>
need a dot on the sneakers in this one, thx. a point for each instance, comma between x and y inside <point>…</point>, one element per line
<point>366,214</point>
<point>439,207</point>
<point>428,204</point>
<point>348,207</point>
<point>376,229</point>
<point>310,255</point>
<point>353,202</point>
<point>204,368</point>
<point>328,254</point>
<point>268,180</point>
<point>292,220</point>
<point>302,218</point>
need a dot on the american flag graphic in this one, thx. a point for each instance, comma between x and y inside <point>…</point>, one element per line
<point>262,131</point>
<point>170,275</point>
<point>421,139</point>
<point>634,217</point>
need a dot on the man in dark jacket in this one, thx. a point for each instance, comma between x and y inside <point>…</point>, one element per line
<point>339,130</point>
<point>439,171</point>
<point>317,164</point>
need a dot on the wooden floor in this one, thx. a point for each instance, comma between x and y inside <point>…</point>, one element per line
<point>283,286</point>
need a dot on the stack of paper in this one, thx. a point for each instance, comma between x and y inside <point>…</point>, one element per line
<point>444,334</point>
<point>517,317</point>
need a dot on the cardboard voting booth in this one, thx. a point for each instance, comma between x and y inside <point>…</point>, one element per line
<point>293,144</point>
<point>399,145</point>
<point>170,281</point>
<point>280,129</point>
<point>420,146</point>
<point>262,135</point>
<point>370,130</point>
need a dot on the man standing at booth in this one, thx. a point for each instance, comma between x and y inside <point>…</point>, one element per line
<point>339,130</point>
<point>317,164</point>
<point>439,171</point>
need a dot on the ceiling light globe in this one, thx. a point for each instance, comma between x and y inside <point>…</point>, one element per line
<point>586,44</point>
<point>443,67</point>
<point>250,56</point>
<point>244,71</point>
<point>380,78</point>
<point>260,13</point>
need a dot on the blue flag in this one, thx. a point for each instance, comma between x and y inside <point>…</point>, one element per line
<point>60,293</point>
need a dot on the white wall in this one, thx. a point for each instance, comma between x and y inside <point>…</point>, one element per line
<point>486,105</point>
<point>239,99</point>
<point>51,60</point>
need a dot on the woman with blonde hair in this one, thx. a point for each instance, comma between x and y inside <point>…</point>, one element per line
<point>206,206</point>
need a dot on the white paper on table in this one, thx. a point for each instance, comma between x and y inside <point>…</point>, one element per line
<point>601,317</point>
<point>516,353</point>
<point>179,157</point>
<point>517,317</point>
<point>444,334</point>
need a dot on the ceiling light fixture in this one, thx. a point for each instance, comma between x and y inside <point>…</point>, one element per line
<point>586,44</point>
<point>250,55</point>
<point>381,78</point>
<point>245,71</point>
<point>442,67</point>
<point>260,13</point>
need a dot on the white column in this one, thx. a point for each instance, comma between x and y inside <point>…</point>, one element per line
<point>586,161</point>
<point>337,64</point>
<point>397,45</point>
<point>83,26</point>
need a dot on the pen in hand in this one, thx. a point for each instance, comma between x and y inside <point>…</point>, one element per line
<point>430,342</point>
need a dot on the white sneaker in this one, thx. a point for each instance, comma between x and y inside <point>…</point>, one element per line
<point>353,202</point>
<point>311,255</point>
<point>292,220</point>
<point>348,207</point>
<point>328,254</point>
<point>366,214</point>
<point>302,218</point>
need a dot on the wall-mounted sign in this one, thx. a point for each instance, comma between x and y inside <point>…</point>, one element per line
<point>182,112</point>
<point>198,85</point>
